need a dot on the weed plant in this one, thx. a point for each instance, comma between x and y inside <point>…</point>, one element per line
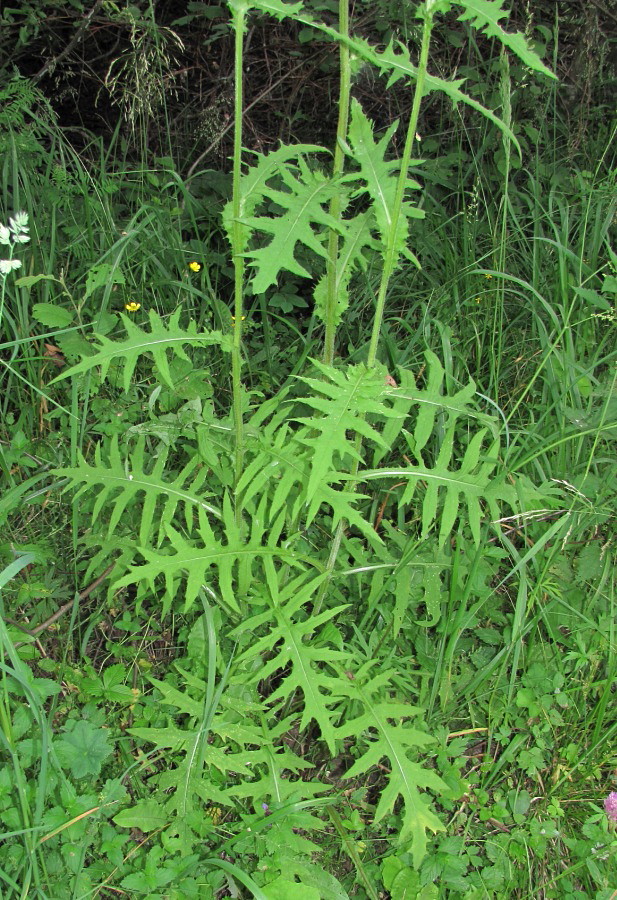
<point>308,508</point>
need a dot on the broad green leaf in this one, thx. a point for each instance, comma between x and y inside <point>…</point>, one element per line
<point>52,316</point>
<point>147,815</point>
<point>281,889</point>
<point>303,197</point>
<point>406,885</point>
<point>83,748</point>
<point>29,281</point>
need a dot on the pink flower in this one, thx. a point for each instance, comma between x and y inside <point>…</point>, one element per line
<point>610,805</point>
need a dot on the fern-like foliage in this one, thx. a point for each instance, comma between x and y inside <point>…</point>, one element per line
<point>254,185</point>
<point>303,198</point>
<point>375,177</point>
<point>477,478</point>
<point>221,745</point>
<point>396,62</point>
<point>385,727</point>
<point>280,471</point>
<point>444,486</point>
<point>279,10</point>
<point>402,573</point>
<point>300,194</point>
<point>119,481</point>
<point>18,99</point>
<point>230,556</point>
<point>486,15</point>
<point>208,747</point>
<point>378,177</point>
<point>344,400</point>
<point>357,241</point>
<point>187,779</point>
<point>299,652</point>
<point>161,339</point>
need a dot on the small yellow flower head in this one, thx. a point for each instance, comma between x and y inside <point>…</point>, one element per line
<point>132,306</point>
<point>488,276</point>
<point>478,300</point>
<point>195,266</point>
<point>233,320</point>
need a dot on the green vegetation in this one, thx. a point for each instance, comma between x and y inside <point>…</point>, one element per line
<point>307,453</point>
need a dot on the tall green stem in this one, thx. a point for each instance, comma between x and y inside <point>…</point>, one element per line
<point>502,238</point>
<point>239,10</point>
<point>390,257</point>
<point>388,267</point>
<point>335,204</point>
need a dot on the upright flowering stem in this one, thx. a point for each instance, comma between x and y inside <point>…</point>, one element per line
<point>389,263</point>
<point>335,204</point>
<point>239,9</point>
<point>390,257</point>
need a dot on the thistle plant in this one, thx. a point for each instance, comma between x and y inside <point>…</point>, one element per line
<point>260,515</point>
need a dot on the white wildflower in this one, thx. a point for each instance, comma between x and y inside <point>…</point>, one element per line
<point>7,265</point>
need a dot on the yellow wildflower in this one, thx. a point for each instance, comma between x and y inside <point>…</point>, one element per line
<point>233,320</point>
<point>487,275</point>
<point>195,266</point>
<point>132,306</point>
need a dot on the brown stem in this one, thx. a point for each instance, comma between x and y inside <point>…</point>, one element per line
<point>51,64</point>
<point>65,607</point>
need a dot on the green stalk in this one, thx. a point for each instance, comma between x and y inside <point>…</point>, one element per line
<point>239,10</point>
<point>350,847</point>
<point>386,274</point>
<point>390,254</point>
<point>500,261</point>
<point>335,203</point>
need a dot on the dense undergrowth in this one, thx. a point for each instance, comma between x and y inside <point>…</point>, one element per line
<point>308,467</point>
